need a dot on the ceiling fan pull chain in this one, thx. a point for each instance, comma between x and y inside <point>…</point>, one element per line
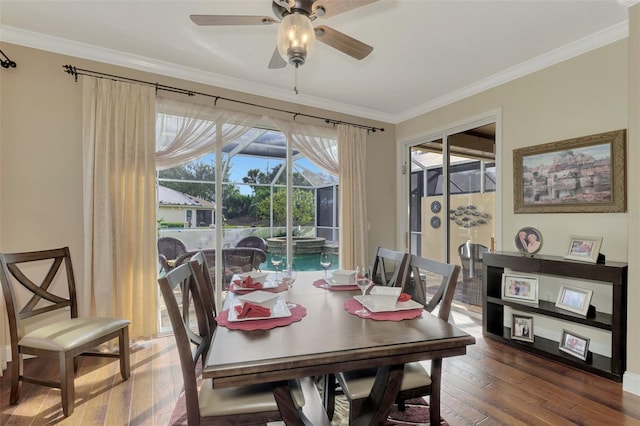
<point>295,79</point>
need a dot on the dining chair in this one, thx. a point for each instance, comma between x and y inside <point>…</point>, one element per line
<point>200,269</point>
<point>433,285</point>
<point>37,277</point>
<point>253,241</point>
<point>471,260</point>
<point>389,266</point>
<point>171,247</point>
<point>235,260</point>
<point>225,406</point>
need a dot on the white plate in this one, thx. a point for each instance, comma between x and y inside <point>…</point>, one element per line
<point>279,309</point>
<point>371,304</point>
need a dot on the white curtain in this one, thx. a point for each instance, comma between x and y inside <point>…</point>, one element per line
<point>317,143</point>
<point>352,150</point>
<point>187,131</point>
<point>120,277</point>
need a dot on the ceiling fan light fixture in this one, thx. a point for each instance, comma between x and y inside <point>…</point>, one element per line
<point>296,38</point>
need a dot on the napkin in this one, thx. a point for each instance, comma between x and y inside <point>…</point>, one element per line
<point>251,310</point>
<point>247,283</point>
<point>404,297</point>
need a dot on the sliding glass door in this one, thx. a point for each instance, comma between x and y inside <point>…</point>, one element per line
<point>452,186</point>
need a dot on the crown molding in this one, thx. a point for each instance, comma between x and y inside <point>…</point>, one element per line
<point>561,54</point>
<point>99,54</point>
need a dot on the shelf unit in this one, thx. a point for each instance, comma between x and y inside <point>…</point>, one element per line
<point>614,273</point>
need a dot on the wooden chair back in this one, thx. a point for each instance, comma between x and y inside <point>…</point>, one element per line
<point>180,292</point>
<point>432,284</point>
<point>200,269</point>
<point>235,261</point>
<point>389,267</point>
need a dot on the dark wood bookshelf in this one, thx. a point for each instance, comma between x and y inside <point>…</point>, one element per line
<point>613,273</point>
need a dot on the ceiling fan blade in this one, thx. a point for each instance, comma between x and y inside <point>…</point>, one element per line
<point>276,60</point>
<point>342,42</point>
<point>334,7</point>
<point>232,20</point>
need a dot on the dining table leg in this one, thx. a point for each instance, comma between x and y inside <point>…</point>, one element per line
<point>329,394</point>
<point>383,395</point>
<point>286,406</point>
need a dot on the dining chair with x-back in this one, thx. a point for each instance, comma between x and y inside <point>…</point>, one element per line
<point>37,274</point>
<point>433,285</point>
<point>226,406</point>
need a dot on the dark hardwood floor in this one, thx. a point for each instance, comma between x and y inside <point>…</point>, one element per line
<point>492,385</point>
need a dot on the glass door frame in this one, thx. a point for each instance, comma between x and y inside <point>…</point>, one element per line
<point>403,229</point>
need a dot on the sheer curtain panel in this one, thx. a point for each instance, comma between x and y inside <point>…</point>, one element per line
<point>352,151</point>
<point>120,277</point>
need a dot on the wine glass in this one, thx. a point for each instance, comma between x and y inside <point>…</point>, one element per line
<point>276,261</point>
<point>289,277</point>
<point>325,262</point>
<point>363,282</point>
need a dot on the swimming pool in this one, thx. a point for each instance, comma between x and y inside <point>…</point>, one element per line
<point>302,262</point>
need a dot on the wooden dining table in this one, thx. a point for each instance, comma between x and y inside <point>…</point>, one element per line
<point>326,341</point>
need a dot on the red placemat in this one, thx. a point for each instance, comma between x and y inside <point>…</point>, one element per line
<point>281,287</point>
<point>352,305</point>
<point>297,313</point>
<point>320,284</point>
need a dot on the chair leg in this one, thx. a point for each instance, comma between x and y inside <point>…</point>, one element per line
<point>123,339</point>
<point>66,383</point>
<point>16,370</point>
<point>401,405</point>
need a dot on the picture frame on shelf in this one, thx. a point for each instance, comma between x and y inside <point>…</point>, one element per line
<point>574,299</point>
<point>574,344</point>
<point>520,288</point>
<point>584,249</point>
<point>586,174</point>
<point>528,240</point>
<point>522,327</point>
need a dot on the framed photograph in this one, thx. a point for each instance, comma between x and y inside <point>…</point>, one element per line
<point>522,327</point>
<point>574,299</point>
<point>581,175</point>
<point>574,344</point>
<point>520,289</point>
<point>528,240</point>
<point>585,249</point>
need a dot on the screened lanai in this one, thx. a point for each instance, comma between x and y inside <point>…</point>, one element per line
<point>253,201</point>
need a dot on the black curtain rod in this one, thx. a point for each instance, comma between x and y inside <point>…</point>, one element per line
<point>75,72</point>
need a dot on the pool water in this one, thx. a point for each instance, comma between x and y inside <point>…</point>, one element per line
<point>304,262</point>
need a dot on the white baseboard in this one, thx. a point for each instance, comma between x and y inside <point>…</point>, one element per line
<point>631,383</point>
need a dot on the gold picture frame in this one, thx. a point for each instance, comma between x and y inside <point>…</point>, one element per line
<point>580,175</point>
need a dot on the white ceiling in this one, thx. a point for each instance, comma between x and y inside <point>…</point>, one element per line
<point>427,53</point>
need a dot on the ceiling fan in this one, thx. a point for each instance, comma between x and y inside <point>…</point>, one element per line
<point>296,34</point>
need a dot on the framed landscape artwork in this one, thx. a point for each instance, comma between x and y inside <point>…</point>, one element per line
<point>581,175</point>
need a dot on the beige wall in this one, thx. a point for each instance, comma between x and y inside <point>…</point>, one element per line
<point>581,96</point>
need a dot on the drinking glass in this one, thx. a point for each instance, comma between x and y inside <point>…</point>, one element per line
<point>289,277</point>
<point>276,261</point>
<point>363,282</point>
<point>325,262</point>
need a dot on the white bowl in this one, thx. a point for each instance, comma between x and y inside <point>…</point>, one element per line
<point>385,296</point>
<point>259,297</point>
<point>344,276</point>
<point>256,276</point>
